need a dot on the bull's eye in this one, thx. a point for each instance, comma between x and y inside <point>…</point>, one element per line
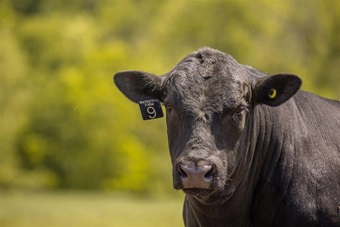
<point>168,108</point>
<point>238,114</point>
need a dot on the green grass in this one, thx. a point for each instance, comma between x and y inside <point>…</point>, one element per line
<point>86,209</point>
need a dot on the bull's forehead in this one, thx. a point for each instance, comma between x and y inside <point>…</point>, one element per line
<point>206,81</point>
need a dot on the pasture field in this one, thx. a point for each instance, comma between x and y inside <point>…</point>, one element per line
<point>87,210</point>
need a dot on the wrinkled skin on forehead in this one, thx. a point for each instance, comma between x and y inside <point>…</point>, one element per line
<point>205,84</point>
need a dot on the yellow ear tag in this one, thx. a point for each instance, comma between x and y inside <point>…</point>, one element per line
<point>272,93</point>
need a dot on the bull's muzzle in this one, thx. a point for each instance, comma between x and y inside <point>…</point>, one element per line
<point>196,176</point>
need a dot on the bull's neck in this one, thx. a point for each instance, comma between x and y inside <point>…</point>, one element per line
<point>256,147</point>
<point>234,202</point>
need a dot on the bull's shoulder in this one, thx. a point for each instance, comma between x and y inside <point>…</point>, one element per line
<point>304,179</point>
<point>310,101</point>
<point>308,115</point>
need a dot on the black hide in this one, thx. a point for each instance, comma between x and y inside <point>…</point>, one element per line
<point>248,149</point>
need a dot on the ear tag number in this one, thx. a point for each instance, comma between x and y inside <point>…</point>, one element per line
<point>150,108</point>
<point>272,93</point>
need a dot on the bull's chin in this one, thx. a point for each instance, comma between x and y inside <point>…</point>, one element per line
<point>198,192</point>
<point>208,196</point>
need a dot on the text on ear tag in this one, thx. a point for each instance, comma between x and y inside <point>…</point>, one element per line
<point>150,108</point>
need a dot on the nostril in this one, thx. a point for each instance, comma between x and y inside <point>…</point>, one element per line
<point>182,173</point>
<point>209,174</point>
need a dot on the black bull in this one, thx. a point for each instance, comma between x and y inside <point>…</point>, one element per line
<point>248,149</point>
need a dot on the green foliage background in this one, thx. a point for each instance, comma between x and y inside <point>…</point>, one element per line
<point>63,123</point>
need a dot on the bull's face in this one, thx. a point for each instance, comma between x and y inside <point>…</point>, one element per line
<point>206,113</point>
<point>208,98</point>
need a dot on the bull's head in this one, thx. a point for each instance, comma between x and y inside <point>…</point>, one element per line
<point>209,99</point>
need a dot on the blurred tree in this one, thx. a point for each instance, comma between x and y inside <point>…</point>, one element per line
<point>14,100</point>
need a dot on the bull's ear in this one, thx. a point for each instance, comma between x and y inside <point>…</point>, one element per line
<point>276,89</point>
<point>134,84</point>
